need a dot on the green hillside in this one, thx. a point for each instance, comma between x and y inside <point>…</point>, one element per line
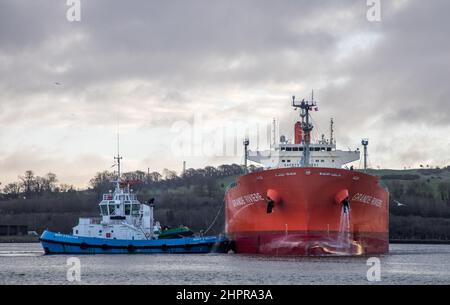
<point>419,200</point>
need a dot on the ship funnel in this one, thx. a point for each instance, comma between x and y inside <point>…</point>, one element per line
<point>298,133</point>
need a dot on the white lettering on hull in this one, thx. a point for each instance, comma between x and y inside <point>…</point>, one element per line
<point>247,199</point>
<point>367,199</point>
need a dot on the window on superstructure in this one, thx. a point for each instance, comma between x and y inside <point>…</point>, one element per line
<point>301,148</point>
<point>127,209</point>
<point>288,148</point>
<point>328,148</point>
<point>283,148</point>
<point>111,209</point>
<point>283,160</point>
<point>295,148</point>
<point>317,148</point>
<point>135,209</point>
<point>104,209</point>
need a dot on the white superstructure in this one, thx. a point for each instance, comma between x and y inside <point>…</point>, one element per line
<point>122,216</point>
<point>291,155</point>
<point>302,152</point>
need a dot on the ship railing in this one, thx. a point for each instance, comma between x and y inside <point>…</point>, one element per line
<point>108,196</point>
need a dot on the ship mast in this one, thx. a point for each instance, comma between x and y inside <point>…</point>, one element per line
<point>305,107</point>
<point>118,158</point>
<point>331,131</point>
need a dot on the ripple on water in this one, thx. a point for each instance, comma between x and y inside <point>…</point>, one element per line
<point>406,264</point>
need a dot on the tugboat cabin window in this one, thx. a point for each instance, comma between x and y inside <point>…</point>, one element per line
<point>127,209</point>
<point>104,209</point>
<point>135,209</point>
<point>112,209</point>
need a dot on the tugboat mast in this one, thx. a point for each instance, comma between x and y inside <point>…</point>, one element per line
<point>118,158</point>
<point>307,127</point>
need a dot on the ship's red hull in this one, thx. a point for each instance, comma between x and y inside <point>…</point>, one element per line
<point>308,216</point>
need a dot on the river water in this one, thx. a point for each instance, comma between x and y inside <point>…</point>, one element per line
<point>405,264</point>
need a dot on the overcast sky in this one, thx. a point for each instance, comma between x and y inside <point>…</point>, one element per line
<point>158,66</point>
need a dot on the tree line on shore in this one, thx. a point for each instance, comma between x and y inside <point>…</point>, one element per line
<point>419,201</point>
<point>192,198</point>
<point>31,185</point>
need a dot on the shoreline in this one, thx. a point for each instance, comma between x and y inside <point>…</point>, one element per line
<point>18,239</point>
<point>35,239</point>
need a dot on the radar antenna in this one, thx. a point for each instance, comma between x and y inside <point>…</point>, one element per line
<point>305,107</point>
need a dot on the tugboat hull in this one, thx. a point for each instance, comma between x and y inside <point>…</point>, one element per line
<point>56,243</point>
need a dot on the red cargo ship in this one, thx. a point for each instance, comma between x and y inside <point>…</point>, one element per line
<point>304,202</point>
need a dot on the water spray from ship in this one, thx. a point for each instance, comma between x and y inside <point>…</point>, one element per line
<point>344,238</point>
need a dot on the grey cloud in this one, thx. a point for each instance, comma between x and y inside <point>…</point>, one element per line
<point>157,62</point>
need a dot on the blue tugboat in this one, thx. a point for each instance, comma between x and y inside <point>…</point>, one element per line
<point>127,226</point>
